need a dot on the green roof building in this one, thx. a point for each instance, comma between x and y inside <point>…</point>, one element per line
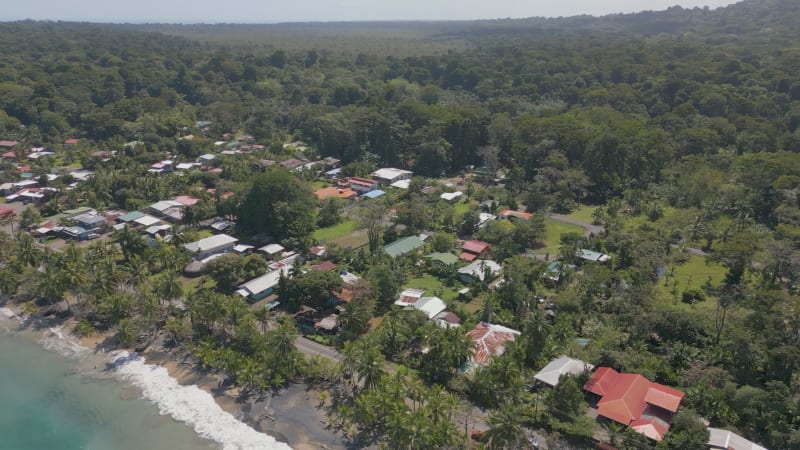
<point>444,259</point>
<point>402,246</point>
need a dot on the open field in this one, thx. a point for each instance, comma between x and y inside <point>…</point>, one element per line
<point>331,233</point>
<point>434,287</point>
<point>692,274</point>
<point>552,235</point>
<point>583,213</point>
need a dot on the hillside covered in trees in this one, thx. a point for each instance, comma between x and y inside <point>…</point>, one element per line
<point>680,129</point>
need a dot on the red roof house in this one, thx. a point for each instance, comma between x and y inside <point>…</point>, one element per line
<point>472,250</point>
<point>489,340</point>
<point>635,401</point>
<point>187,200</point>
<point>8,144</point>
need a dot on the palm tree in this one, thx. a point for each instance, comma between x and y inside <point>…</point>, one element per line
<point>27,252</point>
<point>126,333</point>
<point>506,428</point>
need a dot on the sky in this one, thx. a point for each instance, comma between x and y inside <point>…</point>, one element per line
<point>271,11</point>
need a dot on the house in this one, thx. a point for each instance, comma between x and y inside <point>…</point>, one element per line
<point>555,271</point>
<point>513,215</point>
<point>451,196</point>
<point>318,251</point>
<point>402,184</point>
<point>161,208</point>
<point>272,250</point>
<point>564,365</point>
<point>161,167</point>
<point>7,213</point>
<point>186,200</point>
<point>403,246</point>
<point>263,286</point>
<point>146,221</point>
<point>592,256</point>
<point>8,144</point>
<point>478,270</point>
<point>484,218</point>
<point>332,191</point>
<point>91,222</point>
<point>243,249</point>
<point>291,164</point>
<point>408,297</point>
<point>719,439</point>
<point>361,185</point>
<point>391,175</point>
<point>489,340</point>
<point>130,217</point>
<point>333,173</point>
<point>69,143</point>
<point>77,233</point>
<point>219,243</point>
<point>374,194</point>
<point>442,259</point>
<point>446,319</point>
<point>430,306</point>
<point>472,250</point>
<point>634,401</point>
<point>187,166</point>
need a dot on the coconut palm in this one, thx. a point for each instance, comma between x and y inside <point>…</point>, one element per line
<point>506,428</point>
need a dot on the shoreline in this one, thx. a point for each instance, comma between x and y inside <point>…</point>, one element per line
<point>292,416</point>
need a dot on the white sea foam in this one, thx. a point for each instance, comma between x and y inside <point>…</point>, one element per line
<point>57,341</point>
<point>191,405</point>
<point>9,314</point>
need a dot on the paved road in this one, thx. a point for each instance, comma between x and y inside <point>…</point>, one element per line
<point>311,348</point>
<point>589,229</point>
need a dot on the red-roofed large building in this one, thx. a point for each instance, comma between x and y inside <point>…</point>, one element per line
<point>473,249</point>
<point>635,401</point>
<point>489,340</point>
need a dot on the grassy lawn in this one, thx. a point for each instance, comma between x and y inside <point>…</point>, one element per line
<point>583,213</point>
<point>552,235</point>
<point>433,286</point>
<point>461,208</point>
<point>335,232</point>
<point>191,284</point>
<point>692,274</point>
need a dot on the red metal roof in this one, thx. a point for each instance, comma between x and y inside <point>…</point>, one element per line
<point>8,144</point>
<point>72,141</point>
<point>664,397</point>
<point>489,340</point>
<point>466,256</point>
<point>633,400</point>
<point>475,246</point>
<point>602,381</point>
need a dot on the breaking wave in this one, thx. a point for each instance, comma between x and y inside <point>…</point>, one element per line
<point>191,405</point>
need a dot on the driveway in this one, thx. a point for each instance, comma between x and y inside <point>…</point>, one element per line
<point>589,229</point>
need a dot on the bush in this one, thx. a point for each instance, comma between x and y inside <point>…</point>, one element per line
<point>693,295</point>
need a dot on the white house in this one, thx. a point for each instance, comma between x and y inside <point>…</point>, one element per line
<point>391,175</point>
<point>219,243</point>
<point>727,440</point>
<point>430,306</point>
<point>478,270</point>
<point>552,372</point>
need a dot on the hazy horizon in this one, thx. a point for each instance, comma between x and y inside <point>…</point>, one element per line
<point>268,11</point>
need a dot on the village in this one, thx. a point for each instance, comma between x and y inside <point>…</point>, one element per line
<point>445,268</point>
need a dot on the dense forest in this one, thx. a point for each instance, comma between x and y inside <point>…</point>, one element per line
<point>681,129</point>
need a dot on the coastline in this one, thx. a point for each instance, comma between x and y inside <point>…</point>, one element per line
<point>292,417</point>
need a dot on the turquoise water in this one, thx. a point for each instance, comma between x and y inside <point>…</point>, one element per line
<point>49,401</point>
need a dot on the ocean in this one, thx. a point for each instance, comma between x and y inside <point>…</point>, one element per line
<point>56,395</point>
